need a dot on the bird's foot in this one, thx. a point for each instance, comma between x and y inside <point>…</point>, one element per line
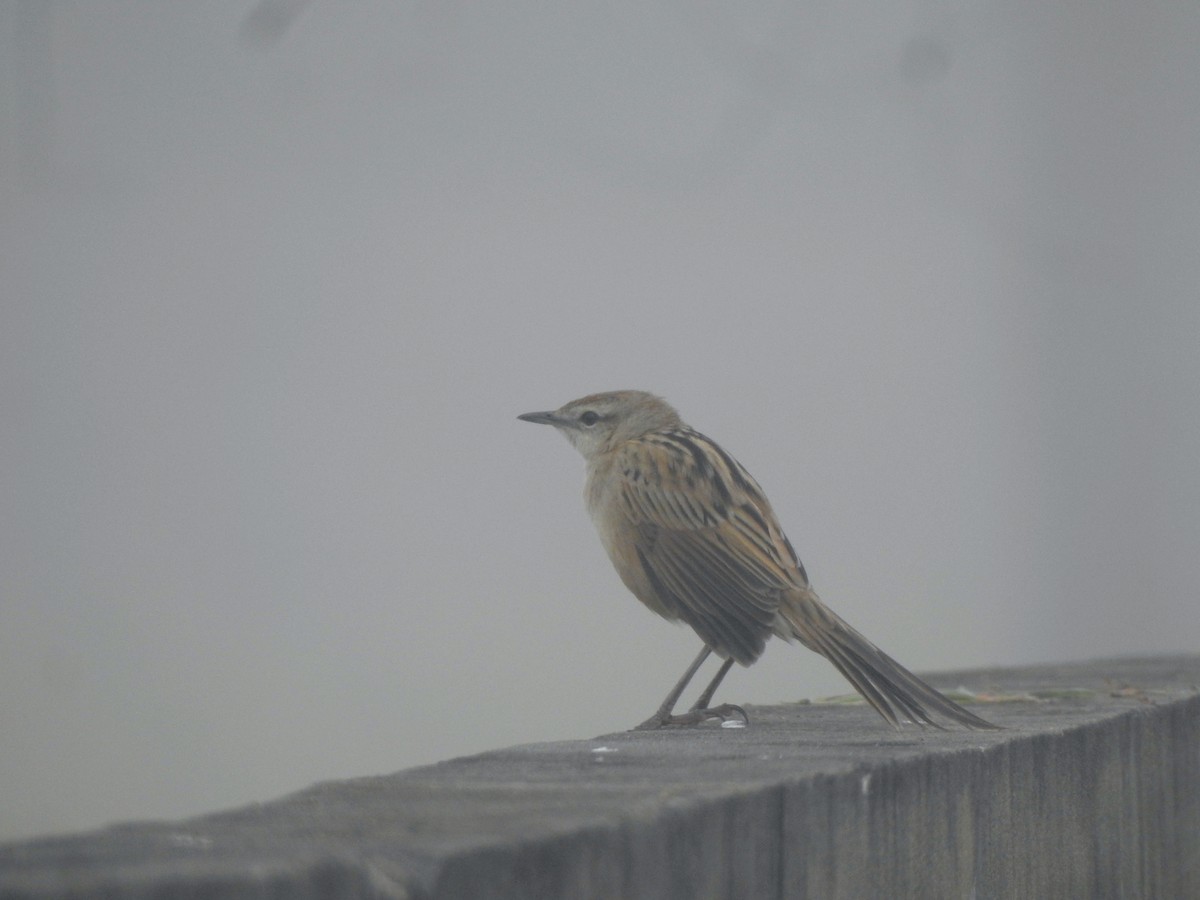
<point>726,712</point>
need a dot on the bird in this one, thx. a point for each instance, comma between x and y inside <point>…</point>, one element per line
<point>694,538</point>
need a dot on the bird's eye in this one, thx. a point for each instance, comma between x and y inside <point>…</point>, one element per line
<point>589,418</point>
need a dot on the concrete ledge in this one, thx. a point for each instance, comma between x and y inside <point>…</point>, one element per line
<point>1092,790</point>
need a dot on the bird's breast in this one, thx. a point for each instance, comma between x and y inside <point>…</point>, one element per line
<point>622,538</point>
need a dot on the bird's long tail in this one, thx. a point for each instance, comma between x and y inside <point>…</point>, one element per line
<point>896,693</point>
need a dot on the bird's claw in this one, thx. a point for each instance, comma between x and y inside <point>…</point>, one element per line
<point>725,712</point>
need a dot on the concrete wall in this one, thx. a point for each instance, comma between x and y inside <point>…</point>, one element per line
<point>1091,790</point>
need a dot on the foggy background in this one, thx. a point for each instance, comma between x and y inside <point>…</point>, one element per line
<point>277,279</point>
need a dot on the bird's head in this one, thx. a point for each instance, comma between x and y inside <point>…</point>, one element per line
<point>598,423</point>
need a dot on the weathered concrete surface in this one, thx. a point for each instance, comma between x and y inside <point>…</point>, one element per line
<point>1092,790</point>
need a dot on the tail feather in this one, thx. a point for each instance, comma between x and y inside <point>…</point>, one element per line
<point>889,700</point>
<point>895,693</point>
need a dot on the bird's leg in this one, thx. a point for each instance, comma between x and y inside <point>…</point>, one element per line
<point>661,717</point>
<point>697,713</point>
<point>701,711</point>
<point>707,696</point>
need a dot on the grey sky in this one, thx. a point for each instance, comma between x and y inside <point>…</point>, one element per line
<point>273,299</point>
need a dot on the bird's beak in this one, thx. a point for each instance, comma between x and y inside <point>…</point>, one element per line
<point>540,418</point>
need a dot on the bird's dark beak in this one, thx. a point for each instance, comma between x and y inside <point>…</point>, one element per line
<point>540,418</point>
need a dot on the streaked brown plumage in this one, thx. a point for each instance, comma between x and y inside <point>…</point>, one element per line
<point>694,538</point>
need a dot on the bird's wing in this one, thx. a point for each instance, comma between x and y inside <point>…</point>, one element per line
<point>708,541</point>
